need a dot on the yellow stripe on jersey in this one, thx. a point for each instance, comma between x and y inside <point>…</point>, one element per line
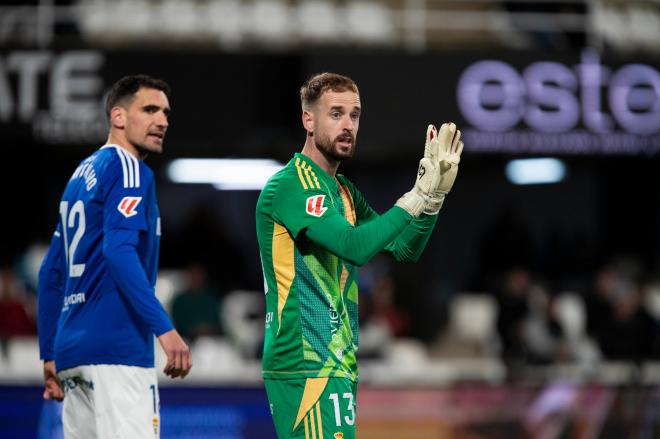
<point>300,171</point>
<point>318,419</point>
<point>305,168</point>
<point>306,427</point>
<point>316,180</point>
<point>309,174</point>
<point>313,389</point>
<point>312,424</point>
<point>283,266</point>
<point>349,206</point>
<point>343,278</point>
<point>351,217</point>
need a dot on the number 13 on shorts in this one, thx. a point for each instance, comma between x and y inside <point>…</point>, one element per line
<point>313,408</point>
<point>350,407</point>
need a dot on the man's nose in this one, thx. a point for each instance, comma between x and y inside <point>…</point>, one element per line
<point>349,124</point>
<point>161,120</point>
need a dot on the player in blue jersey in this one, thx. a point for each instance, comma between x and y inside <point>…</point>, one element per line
<point>98,312</point>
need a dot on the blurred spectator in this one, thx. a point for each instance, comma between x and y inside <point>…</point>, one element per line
<point>512,299</point>
<point>383,310</point>
<point>616,317</point>
<point>196,309</point>
<point>243,321</point>
<point>544,335</point>
<point>598,299</point>
<point>381,318</point>
<point>527,321</point>
<point>16,312</point>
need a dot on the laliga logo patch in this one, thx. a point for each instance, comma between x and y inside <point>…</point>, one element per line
<point>127,206</point>
<point>339,435</point>
<point>315,205</point>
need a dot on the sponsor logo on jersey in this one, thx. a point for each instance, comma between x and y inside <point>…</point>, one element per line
<point>315,205</point>
<point>338,343</point>
<point>73,299</point>
<point>127,206</point>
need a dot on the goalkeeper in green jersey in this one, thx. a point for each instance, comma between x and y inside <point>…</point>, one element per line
<point>315,228</point>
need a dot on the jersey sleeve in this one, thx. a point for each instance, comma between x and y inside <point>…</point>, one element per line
<point>297,208</point>
<point>119,249</point>
<point>124,204</point>
<point>358,244</point>
<point>410,243</point>
<point>124,216</point>
<point>50,294</point>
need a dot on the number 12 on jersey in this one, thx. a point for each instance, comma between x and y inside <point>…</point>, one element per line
<point>74,218</point>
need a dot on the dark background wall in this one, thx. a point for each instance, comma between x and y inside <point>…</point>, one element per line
<point>247,106</point>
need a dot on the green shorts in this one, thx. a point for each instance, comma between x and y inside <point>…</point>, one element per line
<point>313,408</point>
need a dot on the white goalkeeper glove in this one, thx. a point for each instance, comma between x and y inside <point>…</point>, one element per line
<point>415,201</point>
<point>444,149</point>
<point>436,173</point>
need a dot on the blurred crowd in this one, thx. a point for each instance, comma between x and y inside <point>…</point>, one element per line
<point>516,313</point>
<point>17,307</point>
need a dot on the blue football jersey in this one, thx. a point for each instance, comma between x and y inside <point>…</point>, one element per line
<point>97,302</point>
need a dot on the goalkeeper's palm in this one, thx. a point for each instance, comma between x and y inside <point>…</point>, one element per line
<point>444,148</point>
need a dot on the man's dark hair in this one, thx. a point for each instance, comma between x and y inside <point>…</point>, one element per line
<point>123,91</point>
<point>318,84</point>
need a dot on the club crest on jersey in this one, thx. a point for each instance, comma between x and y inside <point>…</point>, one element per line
<point>127,206</point>
<point>315,205</point>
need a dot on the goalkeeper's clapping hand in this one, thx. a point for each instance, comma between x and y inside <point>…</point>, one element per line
<point>444,148</point>
<point>437,171</point>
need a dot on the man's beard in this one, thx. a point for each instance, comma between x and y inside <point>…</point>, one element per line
<point>330,150</point>
<point>143,150</point>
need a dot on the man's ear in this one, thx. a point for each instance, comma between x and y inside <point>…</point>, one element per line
<point>308,122</point>
<point>118,117</point>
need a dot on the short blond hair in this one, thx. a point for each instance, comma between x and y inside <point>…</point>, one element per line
<point>318,84</point>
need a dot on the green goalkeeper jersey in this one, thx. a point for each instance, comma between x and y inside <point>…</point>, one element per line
<point>313,231</point>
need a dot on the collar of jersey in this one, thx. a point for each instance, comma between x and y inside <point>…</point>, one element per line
<point>317,170</point>
<point>114,145</point>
